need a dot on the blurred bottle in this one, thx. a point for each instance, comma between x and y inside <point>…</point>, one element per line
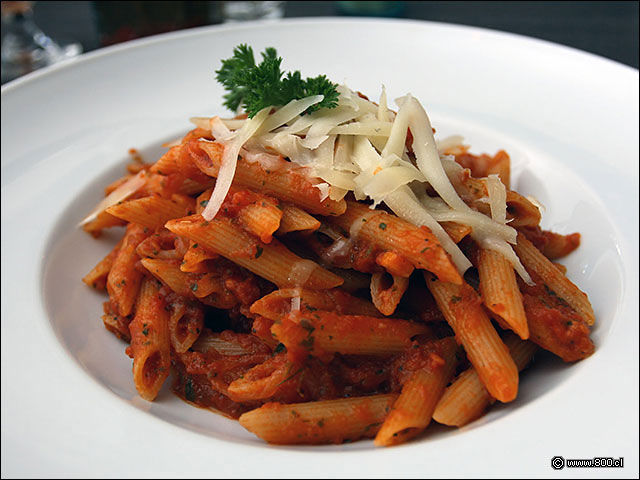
<point>119,21</point>
<point>245,11</point>
<point>371,9</point>
<point>25,47</point>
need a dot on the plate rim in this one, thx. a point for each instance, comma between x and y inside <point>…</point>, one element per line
<point>204,30</point>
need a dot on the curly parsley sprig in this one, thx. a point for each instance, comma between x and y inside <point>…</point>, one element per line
<point>258,86</point>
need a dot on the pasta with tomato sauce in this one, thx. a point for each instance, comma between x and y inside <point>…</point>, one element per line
<point>333,273</point>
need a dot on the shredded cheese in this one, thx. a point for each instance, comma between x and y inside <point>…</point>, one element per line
<point>121,193</point>
<point>361,147</point>
<point>229,162</point>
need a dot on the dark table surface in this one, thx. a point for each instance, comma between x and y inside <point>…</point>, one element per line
<point>608,29</point>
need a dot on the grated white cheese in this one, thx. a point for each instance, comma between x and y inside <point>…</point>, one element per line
<point>497,198</point>
<point>360,147</point>
<point>229,162</point>
<point>121,193</point>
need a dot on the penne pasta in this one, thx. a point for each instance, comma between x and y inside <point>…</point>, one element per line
<point>554,279</point>
<point>279,303</point>
<point>378,229</point>
<point>456,231</point>
<point>295,219</point>
<point>150,344</point>
<point>500,292</point>
<point>269,261</point>
<point>103,220</point>
<point>154,211</point>
<point>321,334</point>
<point>273,261</point>
<point>185,325</point>
<point>208,288</point>
<point>262,381</point>
<point>466,399</point>
<point>97,277</point>
<point>123,280</point>
<point>412,411</point>
<point>330,421</point>
<point>288,183</point>
<point>387,295</point>
<point>463,311</point>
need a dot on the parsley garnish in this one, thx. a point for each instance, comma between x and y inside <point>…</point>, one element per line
<point>259,86</point>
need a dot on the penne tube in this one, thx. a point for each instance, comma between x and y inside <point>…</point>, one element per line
<point>456,231</point>
<point>559,246</point>
<point>97,277</point>
<point>118,325</point>
<point>209,289</point>
<point>263,381</point>
<point>194,260</point>
<point>412,411</point>
<point>178,161</point>
<point>185,324</point>
<point>123,281</point>
<point>501,166</point>
<point>395,264</point>
<point>520,211</point>
<point>261,220</point>
<point>285,181</point>
<point>466,399</point>
<point>169,273</point>
<point>154,211</point>
<point>500,292</point>
<point>552,245</point>
<point>553,324</point>
<point>295,219</point>
<point>560,286</point>
<point>386,296</point>
<point>321,334</point>
<point>484,165</point>
<point>463,311</point>
<point>150,344</point>
<point>278,304</point>
<point>321,422</point>
<point>258,214</point>
<point>103,220</point>
<point>114,185</point>
<point>273,261</point>
<point>162,244</point>
<point>389,233</point>
<point>191,187</point>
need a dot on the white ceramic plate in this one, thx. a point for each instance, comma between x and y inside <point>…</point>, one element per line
<point>569,120</point>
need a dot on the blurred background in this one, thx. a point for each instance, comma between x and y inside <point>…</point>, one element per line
<point>35,34</point>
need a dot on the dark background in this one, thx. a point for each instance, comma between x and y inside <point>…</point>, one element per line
<point>609,29</point>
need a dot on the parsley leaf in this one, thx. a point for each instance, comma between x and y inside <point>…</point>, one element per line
<point>255,87</point>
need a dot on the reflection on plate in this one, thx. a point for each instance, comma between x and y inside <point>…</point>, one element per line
<point>59,151</point>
